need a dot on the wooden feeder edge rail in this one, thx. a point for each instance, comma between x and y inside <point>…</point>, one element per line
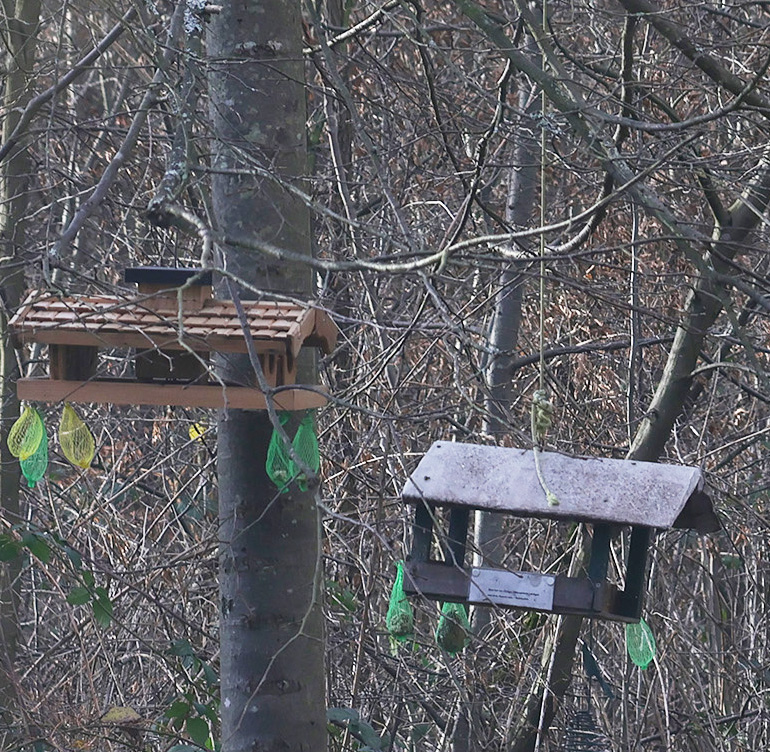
<point>605,493</point>
<point>171,346</point>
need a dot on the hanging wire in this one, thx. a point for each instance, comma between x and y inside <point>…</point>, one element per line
<point>543,166</point>
<point>542,409</point>
<point>634,354</point>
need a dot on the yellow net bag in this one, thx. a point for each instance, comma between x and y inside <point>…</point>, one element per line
<point>26,434</point>
<point>75,439</point>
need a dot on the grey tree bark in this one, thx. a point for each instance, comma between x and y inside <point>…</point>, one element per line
<point>504,330</point>
<point>20,24</point>
<point>271,629</point>
<point>704,304</point>
<point>502,342</point>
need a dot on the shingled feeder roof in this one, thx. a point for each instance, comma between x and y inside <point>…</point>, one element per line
<point>110,320</point>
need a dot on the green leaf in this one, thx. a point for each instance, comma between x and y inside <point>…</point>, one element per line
<point>419,730</point>
<point>178,709</point>
<point>9,547</point>
<point>78,596</point>
<point>341,596</point>
<point>340,715</point>
<point>102,606</point>
<point>732,562</point>
<point>181,648</point>
<point>371,741</point>
<point>198,730</point>
<point>73,556</point>
<point>210,675</point>
<point>212,712</point>
<point>88,579</point>
<point>187,508</point>
<point>37,546</point>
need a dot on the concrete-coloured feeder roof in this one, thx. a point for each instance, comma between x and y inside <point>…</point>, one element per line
<point>624,492</point>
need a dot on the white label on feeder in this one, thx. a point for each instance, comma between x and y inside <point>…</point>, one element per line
<point>521,589</point>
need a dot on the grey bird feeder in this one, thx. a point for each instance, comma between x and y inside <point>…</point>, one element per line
<point>603,493</point>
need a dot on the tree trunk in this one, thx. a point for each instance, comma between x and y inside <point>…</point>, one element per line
<point>504,331</point>
<point>503,341</point>
<point>272,646</point>
<point>704,304</point>
<point>20,25</point>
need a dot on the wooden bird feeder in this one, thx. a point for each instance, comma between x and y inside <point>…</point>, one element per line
<point>603,493</point>
<point>171,328</point>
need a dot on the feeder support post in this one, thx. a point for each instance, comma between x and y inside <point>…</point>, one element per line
<point>600,553</point>
<point>631,599</point>
<point>422,532</point>
<point>454,553</point>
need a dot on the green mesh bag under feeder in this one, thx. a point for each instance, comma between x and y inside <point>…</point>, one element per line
<point>26,434</point>
<point>279,465</point>
<point>75,439</point>
<point>399,620</point>
<point>453,628</point>
<point>34,467</point>
<point>640,643</point>
<point>305,445</point>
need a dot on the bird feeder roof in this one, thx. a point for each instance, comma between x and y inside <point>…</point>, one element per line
<point>120,321</point>
<point>501,479</point>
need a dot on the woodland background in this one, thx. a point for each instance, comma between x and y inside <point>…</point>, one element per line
<point>424,140</point>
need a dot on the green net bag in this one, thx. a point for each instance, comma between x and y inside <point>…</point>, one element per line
<point>640,643</point>
<point>75,439</point>
<point>399,620</point>
<point>26,434</point>
<point>280,467</point>
<point>453,628</point>
<point>34,467</point>
<point>306,446</point>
